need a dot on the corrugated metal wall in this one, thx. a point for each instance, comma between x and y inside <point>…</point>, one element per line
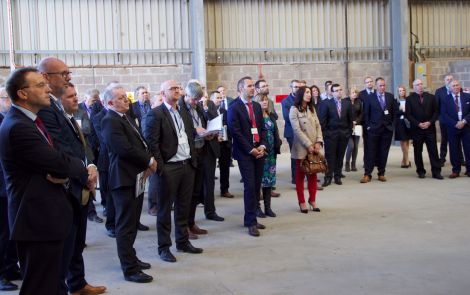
<point>279,31</point>
<point>102,32</point>
<point>442,27</point>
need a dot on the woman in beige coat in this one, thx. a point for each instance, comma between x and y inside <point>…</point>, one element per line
<point>307,139</point>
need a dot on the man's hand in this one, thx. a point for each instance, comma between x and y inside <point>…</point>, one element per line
<point>56,180</point>
<point>255,153</point>
<point>460,124</point>
<point>92,177</point>
<point>148,172</point>
<point>262,152</point>
<point>209,136</point>
<point>424,125</point>
<point>153,165</point>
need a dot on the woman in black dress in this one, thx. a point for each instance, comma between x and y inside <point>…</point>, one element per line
<point>353,144</point>
<point>402,127</point>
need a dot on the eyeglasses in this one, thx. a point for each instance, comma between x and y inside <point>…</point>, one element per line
<point>40,85</point>
<point>64,74</point>
<point>174,88</point>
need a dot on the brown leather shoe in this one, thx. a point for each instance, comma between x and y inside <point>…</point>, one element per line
<point>382,178</point>
<point>260,226</point>
<point>197,230</point>
<point>227,195</point>
<point>275,195</point>
<point>253,231</point>
<point>365,179</point>
<point>90,290</point>
<point>192,236</point>
<point>454,175</point>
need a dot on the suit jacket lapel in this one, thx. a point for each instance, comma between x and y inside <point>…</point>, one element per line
<point>169,118</point>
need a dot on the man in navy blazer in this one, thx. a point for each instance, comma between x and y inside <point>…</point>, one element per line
<point>422,112</point>
<point>246,124</point>
<point>456,114</point>
<point>286,104</point>
<point>379,113</point>
<point>40,213</point>
<point>141,106</point>
<point>336,129</point>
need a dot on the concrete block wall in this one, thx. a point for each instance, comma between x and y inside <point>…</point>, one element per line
<point>459,68</point>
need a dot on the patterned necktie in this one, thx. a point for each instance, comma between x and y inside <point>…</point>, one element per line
<point>382,101</point>
<point>338,107</point>
<point>43,130</point>
<point>253,121</point>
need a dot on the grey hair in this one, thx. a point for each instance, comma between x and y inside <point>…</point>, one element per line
<point>194,90</point>
<point>92,92</point>
<point>108,93</point>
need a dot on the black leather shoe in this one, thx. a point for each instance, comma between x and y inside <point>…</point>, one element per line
<point>437,176</point>
<point>139,277</point>
<point>327,181</point>
<point>143,265</point>
<point>142,227</point>
<point>95,218</point>
<point>215,217</point>
<point>260,213</point>
<point>253,231</point>
<point>338,181</point>
<point>422,175</point>
<point>6,285</point>
<point>167,256</point>
<point>189,248</point>
<point>343,176</point>
<point>111,233</point>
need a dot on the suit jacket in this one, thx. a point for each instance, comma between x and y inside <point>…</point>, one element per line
<point>307,131</point>
<point>333,125</point>
<point>357,107</point>
<point>162,137</point>
<point>449,112</point>
<point>128,155</point>
<point>212,145</point>
<point>103,156</point>
<point>67,140</point>
<point>417,113</point>
<point>3,188</point>
<point>138,113</point>
<point>38,210</point>
<point>374,117</point>
<point>441,95</point>
<point>87,128</point>
<point>239,124</point>
<point>286,104</point>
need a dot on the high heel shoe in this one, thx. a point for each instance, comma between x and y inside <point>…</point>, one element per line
<point>305,211</point>
<point>406,166</point>
<point>313,208</point>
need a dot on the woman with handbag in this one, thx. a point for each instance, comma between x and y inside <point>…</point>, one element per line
<point>308,139</point>
<point>274,147</point>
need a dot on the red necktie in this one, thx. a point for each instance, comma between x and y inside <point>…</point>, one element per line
<point>43,130</point>
<point>253,121</point>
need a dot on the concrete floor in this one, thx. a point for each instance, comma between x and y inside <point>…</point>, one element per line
<point>405,236</point>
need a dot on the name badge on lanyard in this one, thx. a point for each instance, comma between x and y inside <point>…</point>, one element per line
<point>386,112</point>
<point>254,131</point>
<point>182,139</point>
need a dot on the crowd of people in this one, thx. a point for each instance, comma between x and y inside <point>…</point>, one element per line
<point>67,147</point>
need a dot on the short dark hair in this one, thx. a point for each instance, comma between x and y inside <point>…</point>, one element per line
<point>378,79</point>
<point>258,82</point>
<point>299,97</point>
<point>241,82</point>
<point>136,91</point>
<point>328,82</point>
<point>213,93</point>
<point>293,81</point>
<point>17,81</point>
<point>333,86</point>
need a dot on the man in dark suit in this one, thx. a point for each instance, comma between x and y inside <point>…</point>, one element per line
<point>66,134</point>
<point>286,104</point>
<point>9,270</point>
<point>170,134</point>
<point>226,100</point>
<point>422,112</point>
<point>141,106</point>
<point>83,118</point>
<point>97,116</point>
<point>363,95</point>
<point>129,165</point>
<point>246,124</point>
<point>207,151</point>
<point>456,114</point>
<point>225,145</point>
<point>336,119</point>
<point>379,113</point>
<point>40,213</point>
